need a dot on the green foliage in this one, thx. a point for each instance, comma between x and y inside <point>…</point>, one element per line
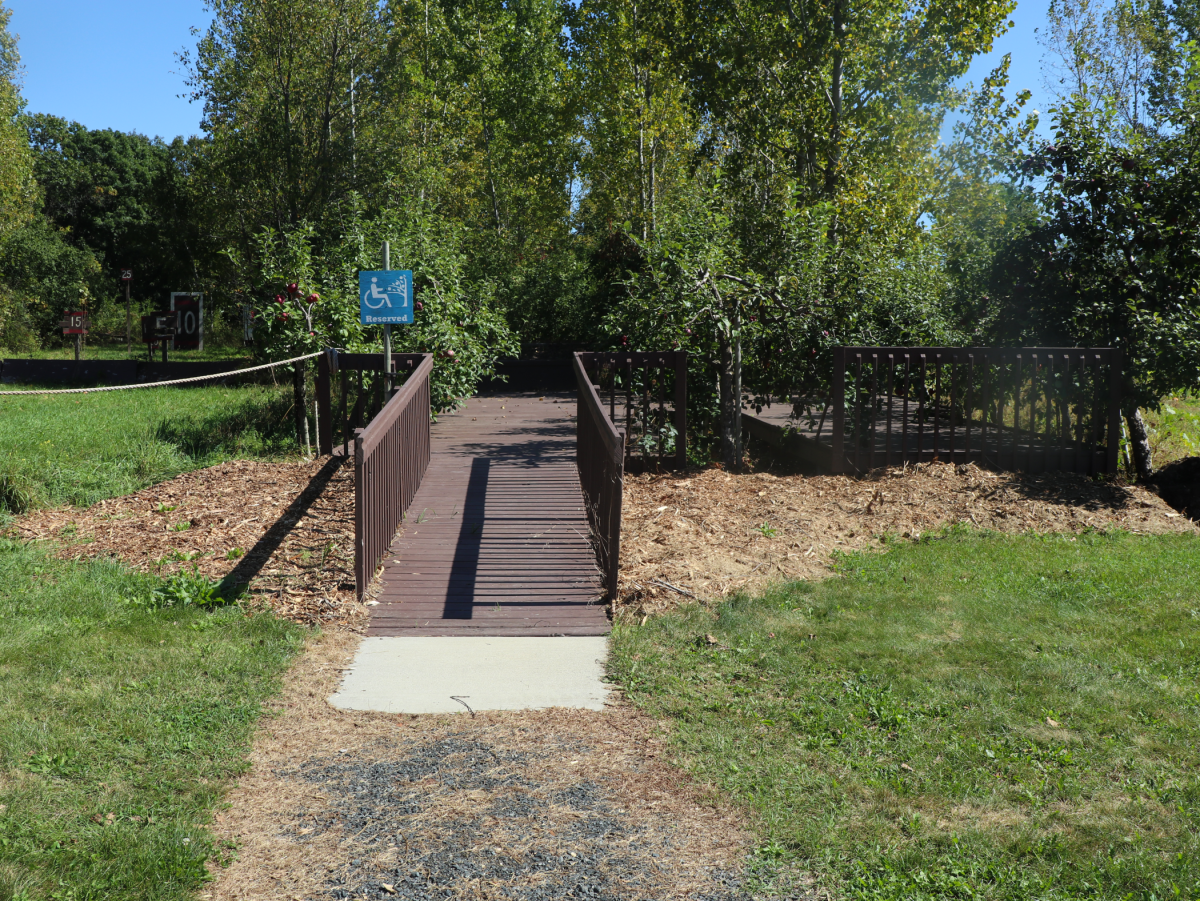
<point>50,274</point>
<point>121,727</point>
<point>1113,263</point>
<point>639,134</point>
<point>18,190</point>
<point>698,291</point>
<point>970,716</point>
<point>118,197</point>
<point>455,320</point>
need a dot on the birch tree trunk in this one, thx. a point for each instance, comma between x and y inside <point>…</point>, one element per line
<point>1139,444</point>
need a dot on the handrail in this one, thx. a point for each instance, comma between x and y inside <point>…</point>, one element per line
<point>394,408</point>
<point>1039,408</point>
<point>391,456</point>
<point>613,437</point>
<point>600,457</point>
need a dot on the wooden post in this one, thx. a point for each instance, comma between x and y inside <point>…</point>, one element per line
<point>324,404</point>
<point>361,577</point>
<point>838,454</point>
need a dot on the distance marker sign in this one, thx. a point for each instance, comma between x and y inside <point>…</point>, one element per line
<point>385,297</point>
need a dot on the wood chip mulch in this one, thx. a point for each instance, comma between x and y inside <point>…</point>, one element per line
<point>710,533</point>
<point>284,530</point>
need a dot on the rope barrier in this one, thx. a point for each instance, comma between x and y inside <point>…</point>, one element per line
<point>195,378</point>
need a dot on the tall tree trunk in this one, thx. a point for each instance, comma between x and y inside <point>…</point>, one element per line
<point>1139,443</point>
<point>728,435</point>
<point>737,391</point>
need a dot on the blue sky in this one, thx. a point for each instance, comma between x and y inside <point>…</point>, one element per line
<point>111,63</point>
<point>1025,72</point>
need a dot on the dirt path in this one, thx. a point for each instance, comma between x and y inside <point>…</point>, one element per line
<point>535,805</point>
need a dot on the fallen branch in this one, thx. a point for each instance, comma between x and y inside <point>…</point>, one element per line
<point>673,588</point>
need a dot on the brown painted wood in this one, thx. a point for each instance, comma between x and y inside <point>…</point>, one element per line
<point>495,541</point>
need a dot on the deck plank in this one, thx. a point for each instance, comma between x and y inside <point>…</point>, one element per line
<point>496,539</point>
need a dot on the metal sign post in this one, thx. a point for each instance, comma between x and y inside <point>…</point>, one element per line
<point>385,297</point>
<point>387,329</point>
<point>76,324</point>
<point>127,277</point>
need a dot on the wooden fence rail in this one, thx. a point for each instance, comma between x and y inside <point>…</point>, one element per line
<point>390,458</point>
<point>361,379</point>
<point>391,453</point>
<point>1028,408</point>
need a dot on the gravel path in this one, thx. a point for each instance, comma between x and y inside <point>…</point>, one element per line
<point>531,805</point>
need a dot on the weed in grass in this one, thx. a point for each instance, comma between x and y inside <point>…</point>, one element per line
<point>1030,731</point>
<point>183,589</point>
<point>120,725</point>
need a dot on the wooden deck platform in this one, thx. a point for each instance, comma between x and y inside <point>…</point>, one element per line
<point>810,439</point>
<point>496,539</point>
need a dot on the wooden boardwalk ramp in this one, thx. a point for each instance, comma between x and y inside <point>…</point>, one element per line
<point>496,539</point>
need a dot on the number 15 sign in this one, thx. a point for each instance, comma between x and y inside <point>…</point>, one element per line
<point>385,297</point>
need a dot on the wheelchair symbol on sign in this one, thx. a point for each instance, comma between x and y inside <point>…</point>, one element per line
<point>382,298</point>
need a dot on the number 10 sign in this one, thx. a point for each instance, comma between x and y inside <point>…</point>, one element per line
<point>385,297</point>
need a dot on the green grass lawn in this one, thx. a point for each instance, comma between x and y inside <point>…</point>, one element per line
<point>65,350</point>
<point>977,716</point>
<point>79,449</point>
<point>120,725</point>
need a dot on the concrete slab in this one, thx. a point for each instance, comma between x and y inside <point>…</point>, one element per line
<point>426,674</point>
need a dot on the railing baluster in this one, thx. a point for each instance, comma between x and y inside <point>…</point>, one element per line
<point>891,390</point>
<point>921,412</point>
<point>937,405</point>
<point>858,434</point>
<point>954,368</point>
<point>875,401</point>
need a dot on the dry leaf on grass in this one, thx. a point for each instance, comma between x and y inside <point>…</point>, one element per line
<point>711,533</point>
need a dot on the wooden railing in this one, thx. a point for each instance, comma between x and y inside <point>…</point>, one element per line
<point>391,453</point>
<point>638,385</point>
<point>600,456</point>
<point>1029,408</point>
<point>361,380</point>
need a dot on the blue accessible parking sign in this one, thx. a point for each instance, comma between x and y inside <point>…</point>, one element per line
<point>385,297</point>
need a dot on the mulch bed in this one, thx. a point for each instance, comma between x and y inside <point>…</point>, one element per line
<point>283,531</point>
<point>709,533</point>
